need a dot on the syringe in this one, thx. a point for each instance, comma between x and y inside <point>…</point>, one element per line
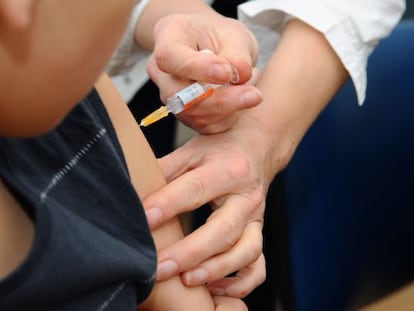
<point>183,99</point>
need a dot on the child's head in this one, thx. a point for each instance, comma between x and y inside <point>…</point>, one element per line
<point>51,53</point>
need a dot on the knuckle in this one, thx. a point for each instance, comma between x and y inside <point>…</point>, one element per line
<point>196,191</point>
<point>237,166</point>
<point>220,271</point>
<point>161,56</point>
<point>193,257</point>
<point>257,198</point>
<point>230,231</point>
<point>255,249</point>
<point>151,67</point>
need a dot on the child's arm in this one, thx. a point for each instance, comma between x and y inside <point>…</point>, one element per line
<point>146,175</point>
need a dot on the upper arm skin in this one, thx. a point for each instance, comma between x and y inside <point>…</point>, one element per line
<point>147,177</point>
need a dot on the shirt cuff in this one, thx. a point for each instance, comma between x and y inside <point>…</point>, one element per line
<point>270,16</point>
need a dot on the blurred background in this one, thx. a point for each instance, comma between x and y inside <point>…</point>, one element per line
<point>410,9</point>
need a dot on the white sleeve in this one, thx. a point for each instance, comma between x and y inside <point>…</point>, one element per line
<point>128,51</point>
<point>352,27</point>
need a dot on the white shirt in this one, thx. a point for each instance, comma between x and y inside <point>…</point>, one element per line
<point>128,64</point>
<point>352,27</point>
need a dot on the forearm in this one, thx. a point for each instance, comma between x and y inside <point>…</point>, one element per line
<point>301,77</point>
<point>156,9</point>
<point>353,27</point>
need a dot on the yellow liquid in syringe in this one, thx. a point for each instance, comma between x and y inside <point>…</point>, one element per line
<point>156,115</point>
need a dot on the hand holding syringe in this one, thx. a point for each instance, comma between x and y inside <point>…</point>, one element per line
<point>182,100</point>
<point>197,92</point>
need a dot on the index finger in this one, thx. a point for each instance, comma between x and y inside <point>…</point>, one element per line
<point>217,235</point>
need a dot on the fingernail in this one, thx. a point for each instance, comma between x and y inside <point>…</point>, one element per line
<point>195,277</point>
<point>235,77</point>
<point>207,51</point>
<point>153,216</point>
<point>220,72</point>
<point>251,97</point>
<point>167,269</point>
<point>217,291</point>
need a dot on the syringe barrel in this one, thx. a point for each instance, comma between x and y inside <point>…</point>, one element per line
<point>175,104</point>
<point>189,95</point>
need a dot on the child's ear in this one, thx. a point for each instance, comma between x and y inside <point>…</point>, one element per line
<point>15,14</point>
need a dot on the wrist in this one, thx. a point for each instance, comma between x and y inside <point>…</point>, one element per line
<point>266,145</point>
